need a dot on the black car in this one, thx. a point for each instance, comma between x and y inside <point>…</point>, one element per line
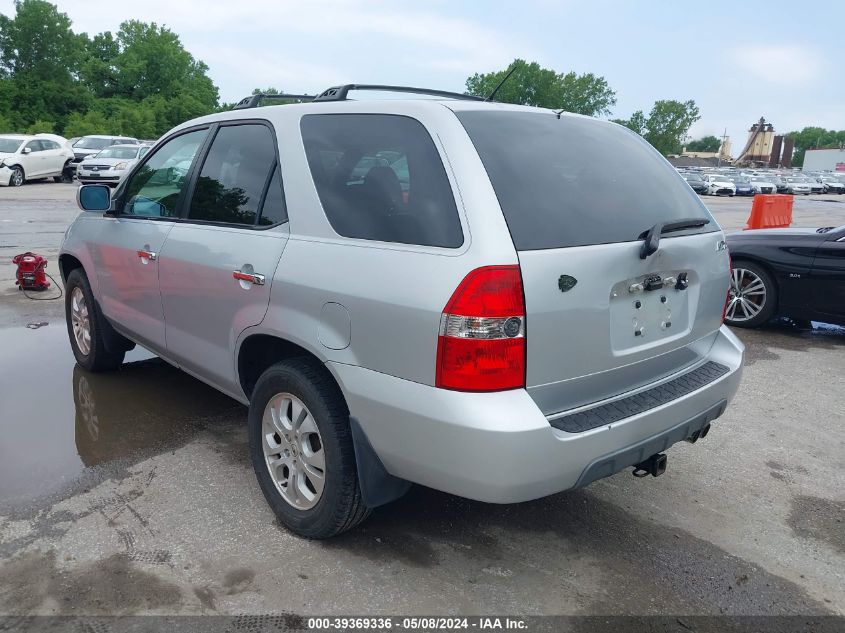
<point>795,273</point>
<point>695,181</point>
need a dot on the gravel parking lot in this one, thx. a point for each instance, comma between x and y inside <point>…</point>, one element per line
<point>133,492</point>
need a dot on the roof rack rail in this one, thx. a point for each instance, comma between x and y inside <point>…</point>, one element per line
<point>253,101</point>
<point>339,93</point>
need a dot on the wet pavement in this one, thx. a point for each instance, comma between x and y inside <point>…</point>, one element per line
<point>63,425</point>
<point>132,492</point>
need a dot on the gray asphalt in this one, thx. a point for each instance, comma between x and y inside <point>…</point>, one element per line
<point>133,493</point>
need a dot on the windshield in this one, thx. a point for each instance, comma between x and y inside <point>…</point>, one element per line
<point>740,181</point>
<point>87,142</point>
<point>576,181</point>
<point>119,152</point>
<point>692,177</point>
<point>796,180</point>
<point>9,145</point>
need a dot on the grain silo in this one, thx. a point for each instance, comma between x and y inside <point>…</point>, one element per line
<point>758,148</point>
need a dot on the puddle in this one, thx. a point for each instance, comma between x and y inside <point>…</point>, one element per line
<point>59,422</point>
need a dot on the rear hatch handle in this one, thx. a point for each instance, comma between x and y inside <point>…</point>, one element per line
<point>652,237</point>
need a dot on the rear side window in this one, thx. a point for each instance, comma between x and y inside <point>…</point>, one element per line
<point>234,175</point>
<point>273,211</point>
<point>379,177</point>
<point>576,181</point>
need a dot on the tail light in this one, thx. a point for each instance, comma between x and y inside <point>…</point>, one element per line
<point>481,346</point>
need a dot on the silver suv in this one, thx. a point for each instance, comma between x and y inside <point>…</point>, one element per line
<point>445,291</point>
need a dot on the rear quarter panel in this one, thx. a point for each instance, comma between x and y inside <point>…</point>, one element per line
<point>394,293</point>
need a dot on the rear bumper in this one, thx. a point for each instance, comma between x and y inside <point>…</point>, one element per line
<point>500,448</point>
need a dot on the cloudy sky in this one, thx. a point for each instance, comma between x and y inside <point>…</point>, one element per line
<point>737,60</point>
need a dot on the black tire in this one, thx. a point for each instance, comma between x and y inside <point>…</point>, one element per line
<point>97,358</point>
<point>340,506</point>
<point>18,177</point>
<point>771,300</point>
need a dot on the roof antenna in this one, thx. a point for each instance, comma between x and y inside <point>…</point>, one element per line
<point>501,83</point>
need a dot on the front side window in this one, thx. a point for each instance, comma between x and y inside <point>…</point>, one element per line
<point>34,146</point>
<point>234,175</point>
<point>156,187</point>
<point>380,177</point>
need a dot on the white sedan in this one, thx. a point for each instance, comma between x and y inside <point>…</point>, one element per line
<point>718,185</point>
<point>24,157</point>
<point>832,185</point>
<point>762,184</point>
<point>111,164</point>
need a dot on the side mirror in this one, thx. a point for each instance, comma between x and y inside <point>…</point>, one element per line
<point>93,197</point>
<point>27,150</point>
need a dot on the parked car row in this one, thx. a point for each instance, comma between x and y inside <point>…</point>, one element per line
<point>730,181</point>
<point>94,158</point>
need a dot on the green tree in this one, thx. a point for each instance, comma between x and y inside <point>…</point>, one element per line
<point>814,138</point>
<point>704,144</point>
<point>666,124</point>
<point>41,127</point>
<point>98,70</point>
<point>39,57</point>
<point>635,123</point>
<point>535,86</point>
<point>152,61</point>
<point>92,122</point>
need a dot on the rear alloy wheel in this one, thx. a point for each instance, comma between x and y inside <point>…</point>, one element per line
<point>300,441</point>
<point>753,296</point>
<point>293,451</point>
<point>18,177</point>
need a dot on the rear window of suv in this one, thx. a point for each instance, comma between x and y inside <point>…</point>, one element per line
<point>576,181</point>
<point>379,177</point>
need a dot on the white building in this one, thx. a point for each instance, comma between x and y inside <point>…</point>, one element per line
<point>824,160</point>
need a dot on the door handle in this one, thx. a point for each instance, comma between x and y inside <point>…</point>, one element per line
<point>253,278</point>
<point>151,255</point>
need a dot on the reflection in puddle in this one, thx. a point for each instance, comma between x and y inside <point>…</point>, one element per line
<point>58,420</point>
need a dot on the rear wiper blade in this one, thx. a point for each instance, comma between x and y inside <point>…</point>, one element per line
<point>652,236</point>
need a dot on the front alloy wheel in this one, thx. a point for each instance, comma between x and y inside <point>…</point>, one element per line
<point>17,177</point>
<point>80,321</point>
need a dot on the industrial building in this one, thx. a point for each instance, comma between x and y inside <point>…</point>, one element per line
<point>824,160</point>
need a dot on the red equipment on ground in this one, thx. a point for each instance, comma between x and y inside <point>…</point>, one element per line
<point>31,274</point>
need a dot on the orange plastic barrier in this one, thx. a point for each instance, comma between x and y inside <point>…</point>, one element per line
<point>770,211</point>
